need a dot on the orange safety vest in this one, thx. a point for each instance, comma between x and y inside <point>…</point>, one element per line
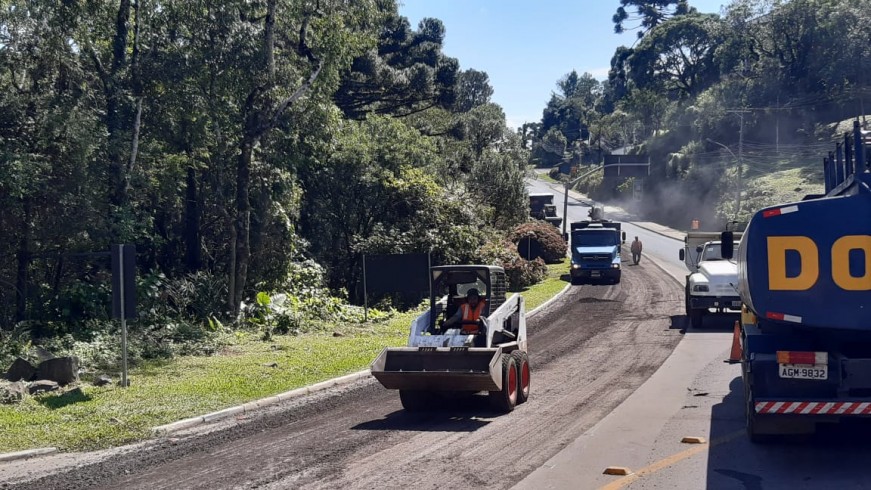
<point>471,315</point>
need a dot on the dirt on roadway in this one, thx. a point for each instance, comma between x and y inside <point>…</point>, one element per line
<point>588,352</point>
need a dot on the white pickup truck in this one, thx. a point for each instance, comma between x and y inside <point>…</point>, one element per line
<point>712,280</point>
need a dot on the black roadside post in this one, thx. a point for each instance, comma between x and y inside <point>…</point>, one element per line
<point>365,293</point>
<point>123,295</point>
<point>565,207</point>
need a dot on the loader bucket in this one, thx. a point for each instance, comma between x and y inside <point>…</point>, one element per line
<point>442,369</point>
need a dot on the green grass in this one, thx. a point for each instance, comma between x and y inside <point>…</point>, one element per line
<point>161,393</point>
<point>547,178</point>
<point>554,283</point>
<point>769,188</point>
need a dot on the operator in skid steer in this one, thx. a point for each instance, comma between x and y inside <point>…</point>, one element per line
<point>469,314</point>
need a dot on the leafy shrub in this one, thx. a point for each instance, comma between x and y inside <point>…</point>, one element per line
<point>554,173</point>
<point>524,273</point>
<point>13,344</point>
<point>521,273</point>
<point>194,297</point>
<point>539,240</point>
<point>304,305</point>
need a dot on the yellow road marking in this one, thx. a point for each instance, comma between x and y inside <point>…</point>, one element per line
<point>666,462</point>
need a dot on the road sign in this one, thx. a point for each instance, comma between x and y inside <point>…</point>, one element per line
<point>123,295</point>
<point>123,281</point>
<point>627,166</point>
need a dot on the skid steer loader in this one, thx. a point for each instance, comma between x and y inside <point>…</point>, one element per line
<point>489,356</point>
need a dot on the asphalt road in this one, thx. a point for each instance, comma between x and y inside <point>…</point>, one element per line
<point>588,351</point>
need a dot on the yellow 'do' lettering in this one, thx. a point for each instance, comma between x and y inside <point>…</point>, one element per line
<point>810,265</point>
<point>841,262</point>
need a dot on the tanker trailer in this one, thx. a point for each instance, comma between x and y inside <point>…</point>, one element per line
<point>804,277</point>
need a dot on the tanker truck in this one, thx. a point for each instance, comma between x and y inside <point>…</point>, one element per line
<point>804,277</point>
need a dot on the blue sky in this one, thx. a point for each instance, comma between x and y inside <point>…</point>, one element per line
<point>527,46</point>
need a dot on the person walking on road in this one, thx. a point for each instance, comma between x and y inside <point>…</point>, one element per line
<point>636,251</point>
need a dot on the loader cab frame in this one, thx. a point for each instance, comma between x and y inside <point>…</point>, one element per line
<point>450,283</point>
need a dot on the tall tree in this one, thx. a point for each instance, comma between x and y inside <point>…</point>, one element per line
<point>48,138</point>
<point>678,56</point>
<point>571,112</point>
<point>618,78</point>
<point>473,90</point>
<point>406,73</point>
<point>647,14</point>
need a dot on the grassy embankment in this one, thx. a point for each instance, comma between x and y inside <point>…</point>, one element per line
<point>161,393</point>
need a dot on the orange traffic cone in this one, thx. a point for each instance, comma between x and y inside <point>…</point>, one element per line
<point>735,355</point>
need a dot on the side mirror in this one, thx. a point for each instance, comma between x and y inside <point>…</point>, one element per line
<point>699,249</point>
<point>681,255</point>
<point>624,237</point>
<point>727,245</point>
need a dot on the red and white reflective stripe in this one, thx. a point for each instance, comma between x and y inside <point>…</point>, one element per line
<point>814,408</point>
<point>783,317</point>
<point>779,211</point>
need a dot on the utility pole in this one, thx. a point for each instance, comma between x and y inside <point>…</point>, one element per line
<point>740,162</point>
<point>777,127</point>
<point>740,168</point>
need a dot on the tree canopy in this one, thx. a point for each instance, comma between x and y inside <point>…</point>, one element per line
<point>230,141</point>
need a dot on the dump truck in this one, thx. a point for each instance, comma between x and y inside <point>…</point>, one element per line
<point>804,269</point>
<point>595,245</point>
<point>712,281</point>
<point>541,207</point>
<point>439,362</point>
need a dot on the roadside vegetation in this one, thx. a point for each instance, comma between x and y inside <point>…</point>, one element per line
<point>185,386</point>
<point>252,153</point>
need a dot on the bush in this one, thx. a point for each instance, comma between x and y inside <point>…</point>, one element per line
<point>13,344</point>
<point>554,173</point>
<point>524,273</point>
<point>303,305</point>
<point>539,240</point>
<point>521,273</point>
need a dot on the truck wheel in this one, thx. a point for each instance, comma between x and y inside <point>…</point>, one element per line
<point>521,359</point>
<point>696,318</point>
<point>751,418</point>
<point>505,399</point>
<point>414,400</point>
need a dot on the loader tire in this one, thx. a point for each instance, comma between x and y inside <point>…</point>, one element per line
<point>414,400</point>
<point>521,359</point>
<point>505,399</point>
